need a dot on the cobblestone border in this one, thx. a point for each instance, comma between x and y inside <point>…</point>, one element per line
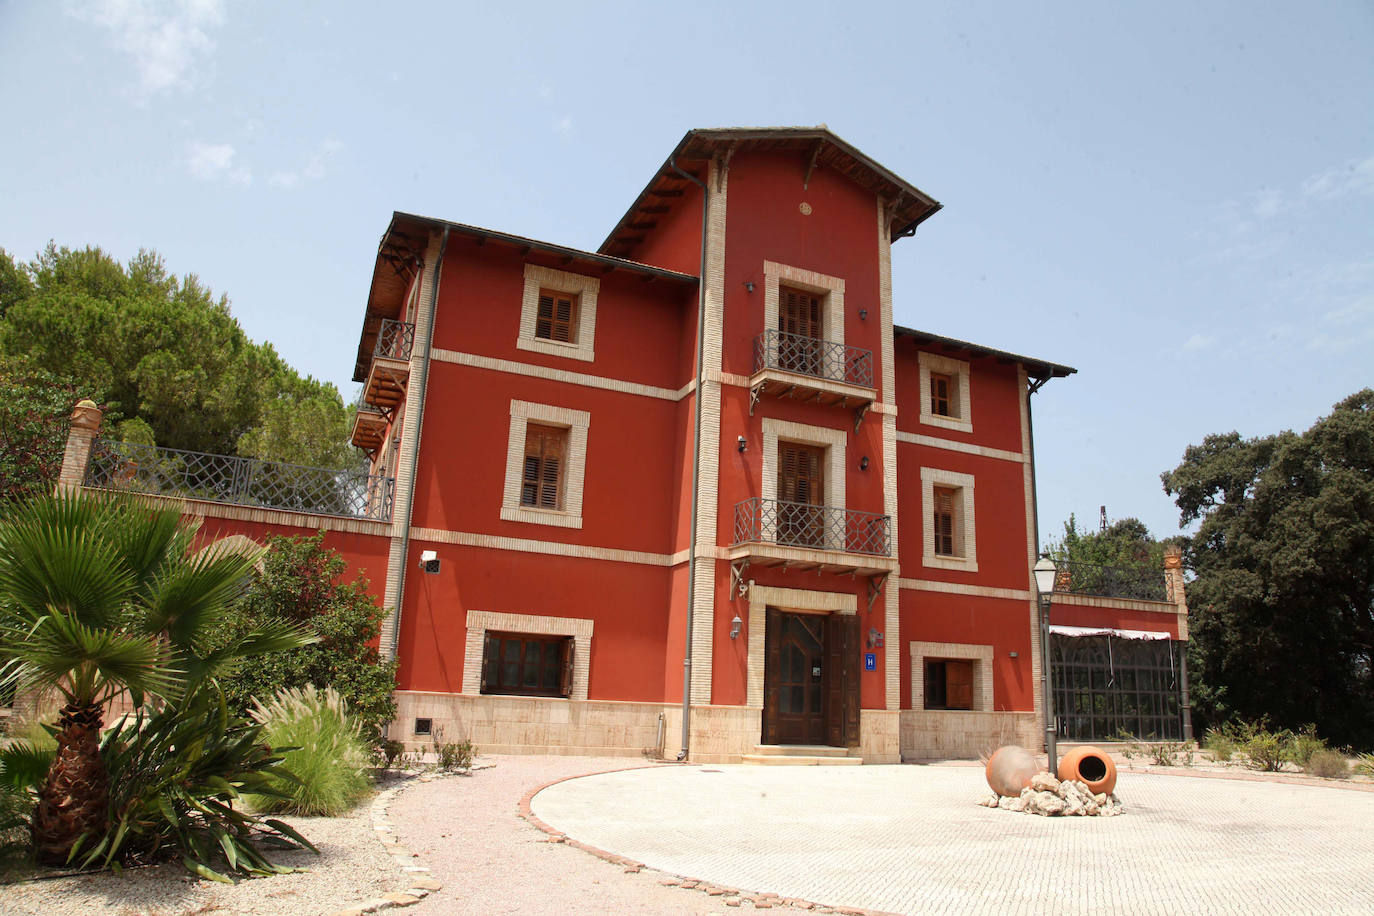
<point>730,896</point>
<point>418,883</point>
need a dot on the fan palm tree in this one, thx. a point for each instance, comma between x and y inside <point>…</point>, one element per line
<point>100,595</point>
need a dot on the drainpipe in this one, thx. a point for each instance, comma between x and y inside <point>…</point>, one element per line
<point>423,382</point>
<point>1047,688</point>
<point>696,465</point>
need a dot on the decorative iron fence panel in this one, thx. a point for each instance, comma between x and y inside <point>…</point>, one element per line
<point>1106,688</point>
<point>825,359</point>
<point>239,481</point>
<point>1080,578</point>
<point>791,524</point>
<point>395,339</point>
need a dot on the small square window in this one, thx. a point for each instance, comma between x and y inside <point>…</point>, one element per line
<point>945,392</point>
<point>949,684</point>
<point>424,726</point>
<point>556,318</point>
<point>521,664</point>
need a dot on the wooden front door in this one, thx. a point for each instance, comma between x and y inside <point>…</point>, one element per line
<point>801,491</point>
<point>811,679</point>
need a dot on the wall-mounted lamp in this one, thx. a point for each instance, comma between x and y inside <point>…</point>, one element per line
<point>429,561</point>
<point>735,627</point>
<point>863,463</point>
<point>1014,654</point>
<point>863,314</point>
<point>743,444</point>
<point>749,285</point>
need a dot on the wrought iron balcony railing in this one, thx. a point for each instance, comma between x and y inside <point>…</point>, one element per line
<point>239,481</point>
<point>1077,578</point>
<point>789,524</point>
<point>395,339</point>
<point>823,359</point>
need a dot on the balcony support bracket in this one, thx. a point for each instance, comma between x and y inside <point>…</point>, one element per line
<point>739,586</point>
<point>875,588</point>
<point>755,393</point>
<point>859,417</point>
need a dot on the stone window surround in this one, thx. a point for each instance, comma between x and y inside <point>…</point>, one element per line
<point>980,655</point>
<point>522,413</point>
<point>832,288</point>
<point>788,599</point>
<point>479,622</point>
<point>586,288</point>
<point>965,536</point>
<point>958,371</point>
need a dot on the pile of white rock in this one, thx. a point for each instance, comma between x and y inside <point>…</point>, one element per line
<point>1049,797</point>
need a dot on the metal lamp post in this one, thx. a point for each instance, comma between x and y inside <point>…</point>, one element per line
<point>1044,584</point>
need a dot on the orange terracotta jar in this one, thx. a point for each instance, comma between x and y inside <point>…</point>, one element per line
<point>1089,765</point>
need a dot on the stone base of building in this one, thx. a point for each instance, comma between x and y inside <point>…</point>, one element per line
<point>964,734</point>
<point>605,728</point>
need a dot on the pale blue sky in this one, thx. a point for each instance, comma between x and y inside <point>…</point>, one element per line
<point>1176,198</point>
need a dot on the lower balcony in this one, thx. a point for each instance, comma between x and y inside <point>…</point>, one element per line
<point>805,537</point>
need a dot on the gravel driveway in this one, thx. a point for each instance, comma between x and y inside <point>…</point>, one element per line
<point>491,861</point>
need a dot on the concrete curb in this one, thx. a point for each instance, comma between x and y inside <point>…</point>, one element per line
<point>730,896</point>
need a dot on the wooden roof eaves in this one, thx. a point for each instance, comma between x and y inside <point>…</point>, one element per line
<point>1035,368</point>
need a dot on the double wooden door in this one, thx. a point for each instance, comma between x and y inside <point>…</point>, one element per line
<point>811,679</point>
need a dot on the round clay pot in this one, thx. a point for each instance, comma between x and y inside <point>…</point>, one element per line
<point>1089,765</point>
<point>1010,769</point>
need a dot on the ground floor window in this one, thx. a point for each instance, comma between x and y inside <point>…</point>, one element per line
<point>1107,688</point>
<point>527,665</point>
<point>949,683</point>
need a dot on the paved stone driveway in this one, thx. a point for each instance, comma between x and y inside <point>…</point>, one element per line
<point>909,839</point>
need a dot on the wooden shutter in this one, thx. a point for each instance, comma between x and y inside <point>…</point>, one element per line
<point>942,520</point>
<point>556,318</point>
<point>799,312</point>
<point>959,684</point>
<point>491,657</point>
<point>801,474</point>
<point>542,485</point>
<point>772,672</point>
<point>569,657</point>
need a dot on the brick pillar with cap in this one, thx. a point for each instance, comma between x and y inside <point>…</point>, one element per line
<point>85,427</point>
<point>1173,580</point>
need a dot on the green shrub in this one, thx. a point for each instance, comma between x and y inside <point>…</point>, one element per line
<point>302,583</point>
<point>1221,742</point>
<point>1328,764</point>
<point>321,747</point>
<point>1264,749</point>
<point>1304,744</point>
<point>455,755</point>
<point>388,752</point>
<point>1365,765</point>
<point>178,777</point>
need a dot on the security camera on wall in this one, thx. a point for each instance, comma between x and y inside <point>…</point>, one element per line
<point>429,561</point>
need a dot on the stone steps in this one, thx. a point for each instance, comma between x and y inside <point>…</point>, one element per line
<point>801,755</point>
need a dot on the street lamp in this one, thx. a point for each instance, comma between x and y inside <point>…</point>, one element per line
<point>1044,584</point>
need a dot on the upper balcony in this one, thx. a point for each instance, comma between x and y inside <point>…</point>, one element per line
<point>386,379</point>
<point>369,429</point>
<point>239,481</point>
<point>805,537</point>
<point>1137,583</point>
<point>821,371</point>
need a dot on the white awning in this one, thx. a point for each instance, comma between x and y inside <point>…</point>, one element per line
<point>1059,630</point>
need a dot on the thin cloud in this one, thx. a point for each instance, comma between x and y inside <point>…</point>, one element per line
<point>1355,177</point>
<point>315,168</point>
<point>215,162</point>
<point>1198,342</point>
<point>166,38</point>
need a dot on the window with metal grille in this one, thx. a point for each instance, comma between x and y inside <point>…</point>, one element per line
<point>949,684</point>
<point>546,448</point>
<point>939,394</point>
<point>557,316</point>
<point>942,520</point>
<point>527,665</point>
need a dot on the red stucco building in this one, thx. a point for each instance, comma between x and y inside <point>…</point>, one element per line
<point>700,459</point>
